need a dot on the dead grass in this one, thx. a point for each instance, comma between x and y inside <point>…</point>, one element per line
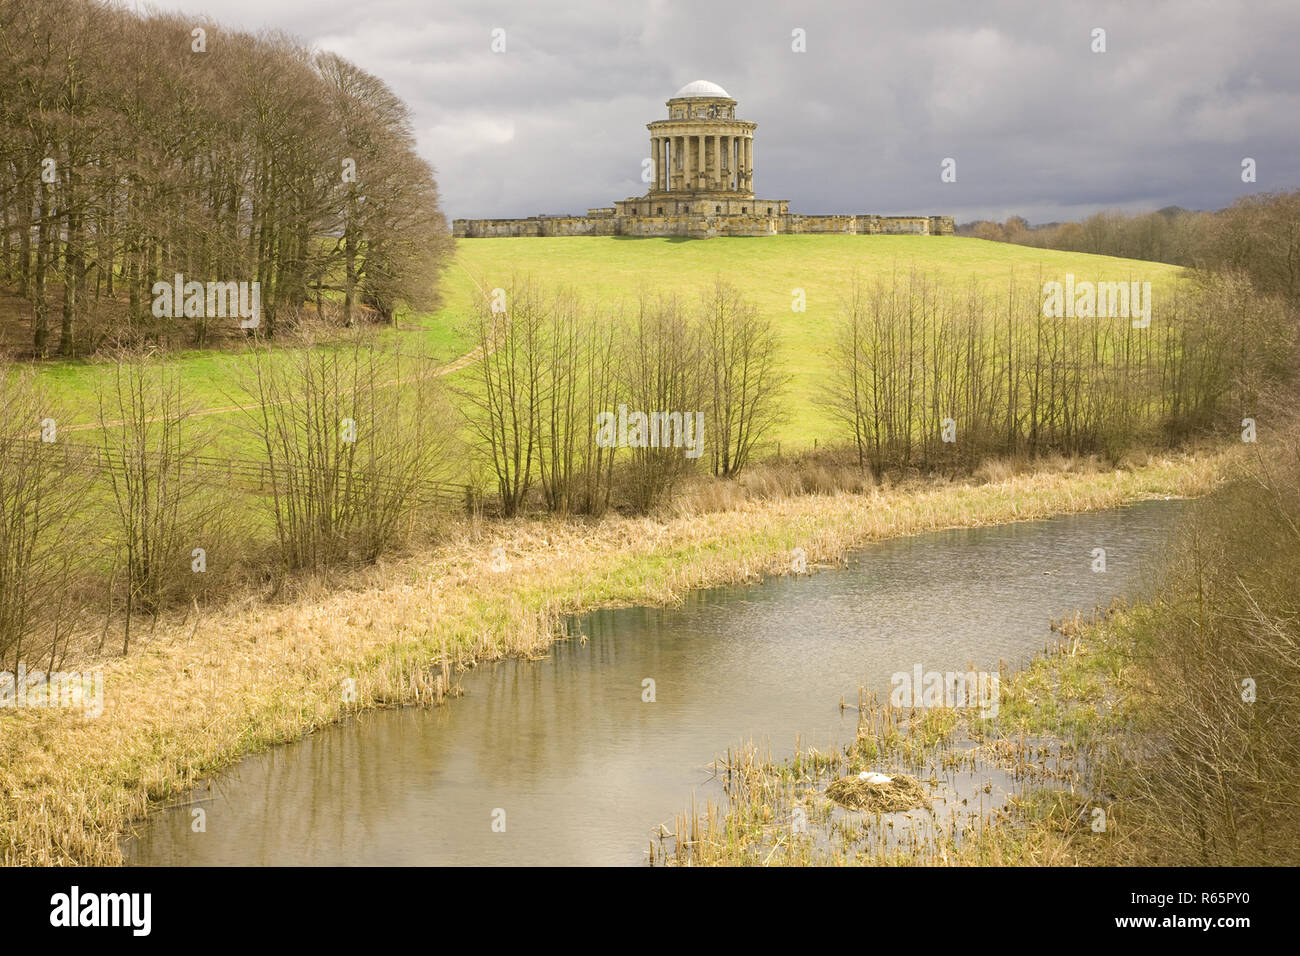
<point>206,689</point>
<point>900,793</point>
<point>825,473</point>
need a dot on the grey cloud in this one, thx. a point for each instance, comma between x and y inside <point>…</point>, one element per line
<point>1039,125</point>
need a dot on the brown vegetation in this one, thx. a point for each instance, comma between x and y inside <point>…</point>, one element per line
<point>912,356</point>
<point>1257,236</point>
<point>1214,775</point>
<point>224,158</point>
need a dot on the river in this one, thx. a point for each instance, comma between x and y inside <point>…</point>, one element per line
<point>580,768</point>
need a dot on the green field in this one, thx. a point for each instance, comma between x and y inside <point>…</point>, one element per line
<point>768,269</point>
<point>609,270</point>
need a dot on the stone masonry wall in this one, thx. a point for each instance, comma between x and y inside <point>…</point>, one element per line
<point>702,226</point>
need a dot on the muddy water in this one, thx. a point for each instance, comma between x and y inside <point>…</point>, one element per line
<point>584,769</point>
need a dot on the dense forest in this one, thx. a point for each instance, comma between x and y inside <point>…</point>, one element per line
<point>134,148</point>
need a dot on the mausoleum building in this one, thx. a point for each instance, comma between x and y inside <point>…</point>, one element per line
<point>702,185</point>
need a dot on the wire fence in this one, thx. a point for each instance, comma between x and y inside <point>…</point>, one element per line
<point>251,474</point>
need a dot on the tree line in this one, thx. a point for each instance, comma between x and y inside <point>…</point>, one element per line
<point>351,430</point>
<point>552,364</point>
<point>925,375</point>
<point>134,148</point>
<point>1258,236</point>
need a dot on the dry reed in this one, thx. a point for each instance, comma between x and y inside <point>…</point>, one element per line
<point>202,691</point>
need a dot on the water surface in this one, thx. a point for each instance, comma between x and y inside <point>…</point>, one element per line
<point>584,769</point>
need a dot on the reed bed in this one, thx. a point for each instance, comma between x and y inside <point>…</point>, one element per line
<point>1019,789</point>
<point>204,689</point>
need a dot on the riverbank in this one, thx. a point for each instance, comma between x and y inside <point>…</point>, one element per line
<point>1018,788</point>
<point>1059,776</point>
<point>203,691</point>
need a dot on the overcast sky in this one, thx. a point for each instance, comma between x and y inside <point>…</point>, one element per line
<point>1039,125</point>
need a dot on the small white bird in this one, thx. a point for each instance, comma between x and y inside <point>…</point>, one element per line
<point>875,779</point>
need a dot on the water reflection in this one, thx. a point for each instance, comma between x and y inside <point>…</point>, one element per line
<point>584,769</point>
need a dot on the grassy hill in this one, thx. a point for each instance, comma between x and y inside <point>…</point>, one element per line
<point>608,270</point>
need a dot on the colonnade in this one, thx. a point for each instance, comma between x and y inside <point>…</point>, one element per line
<point>718,161</point>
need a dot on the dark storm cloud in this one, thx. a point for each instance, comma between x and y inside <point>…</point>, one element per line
<point>1038,124</point>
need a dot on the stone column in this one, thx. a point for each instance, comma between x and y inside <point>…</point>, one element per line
<point>717,160</point>
<point>749,162</point>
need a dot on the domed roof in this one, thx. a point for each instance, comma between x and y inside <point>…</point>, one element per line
<point>701,88</point>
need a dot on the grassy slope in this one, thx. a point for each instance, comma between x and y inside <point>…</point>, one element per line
<point>768,270</point>
<point>215,380</point>
<point>608,270</point>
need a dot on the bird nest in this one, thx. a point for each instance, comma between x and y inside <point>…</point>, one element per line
<point>901,793</point>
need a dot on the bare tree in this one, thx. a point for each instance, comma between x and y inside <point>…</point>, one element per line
<point>502,402</point>
<point>354,433</point>
<point>660,366</point>
<point>744,382</point>
<point>44,544</point>
<point>160,505</point>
